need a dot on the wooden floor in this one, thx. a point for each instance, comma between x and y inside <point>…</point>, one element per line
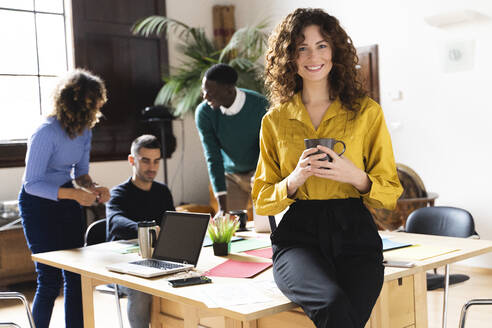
<point>479,286</point>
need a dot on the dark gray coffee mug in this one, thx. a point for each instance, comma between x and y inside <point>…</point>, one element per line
<point>243,218</point>
<point>327,142</point>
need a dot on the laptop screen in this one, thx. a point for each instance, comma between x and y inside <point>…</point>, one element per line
<point>181,237</point>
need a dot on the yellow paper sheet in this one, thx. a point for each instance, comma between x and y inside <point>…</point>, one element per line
<point>418,252</point>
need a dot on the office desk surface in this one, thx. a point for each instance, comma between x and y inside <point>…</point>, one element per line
<point>90,263</point>
<point>467,248</point>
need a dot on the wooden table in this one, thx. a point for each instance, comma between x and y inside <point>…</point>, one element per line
<point>402,303</point>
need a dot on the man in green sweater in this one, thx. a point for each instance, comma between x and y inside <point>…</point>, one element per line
<point>229,121</point>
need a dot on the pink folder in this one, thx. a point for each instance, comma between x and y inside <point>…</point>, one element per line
<point>262,252</point>
<point>238,269</point>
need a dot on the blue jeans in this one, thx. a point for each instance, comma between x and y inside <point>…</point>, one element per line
<point>138,307</point>
<point>49,226</point>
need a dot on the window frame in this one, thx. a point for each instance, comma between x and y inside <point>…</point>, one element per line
<point>13,151</point>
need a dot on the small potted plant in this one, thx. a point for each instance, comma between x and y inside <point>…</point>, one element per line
<point>220,230</point>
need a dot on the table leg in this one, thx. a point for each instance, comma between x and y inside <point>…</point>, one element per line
<point>420,299</point>
<point>154,313</point>
<point>445,299</point>
<point>191,317</point>
<point>87,302</point>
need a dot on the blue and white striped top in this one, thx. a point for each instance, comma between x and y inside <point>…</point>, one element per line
<point>53,159</point>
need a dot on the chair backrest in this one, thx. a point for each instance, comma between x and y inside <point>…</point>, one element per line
<point>95,233</point>
<point>441,221</point>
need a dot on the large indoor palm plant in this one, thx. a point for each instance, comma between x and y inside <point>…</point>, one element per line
<point>182,87</point>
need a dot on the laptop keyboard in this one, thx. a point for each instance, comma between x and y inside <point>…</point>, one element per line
<point>158,264</point>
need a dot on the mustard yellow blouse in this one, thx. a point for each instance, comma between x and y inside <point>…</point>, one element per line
<point>368,143</point>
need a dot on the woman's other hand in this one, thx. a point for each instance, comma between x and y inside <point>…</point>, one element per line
<point>304,169</point>
<point>84,198</point>
<point>102,194</point>
<point>341,169</point>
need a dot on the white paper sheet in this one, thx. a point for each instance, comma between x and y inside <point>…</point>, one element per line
<point>223,295</point>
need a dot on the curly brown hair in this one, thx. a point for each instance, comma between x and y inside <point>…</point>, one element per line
<point>281,78</point>
<point>77,99</point>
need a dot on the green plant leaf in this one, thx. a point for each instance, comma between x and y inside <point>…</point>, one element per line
<point>221,229</point>
<point>159,25</point>
<point>248,42</point>
<point>182,88</point>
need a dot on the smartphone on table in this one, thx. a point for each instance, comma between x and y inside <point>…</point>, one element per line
<point>189,281</point>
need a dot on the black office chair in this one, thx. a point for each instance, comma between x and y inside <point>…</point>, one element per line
<point>478,301</point>
<point>95,234</point>
<point>442,221</point>
<point>22,298</point>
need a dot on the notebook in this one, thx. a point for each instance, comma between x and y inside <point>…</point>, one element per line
<point>177,248</point>
<point>389,244</point>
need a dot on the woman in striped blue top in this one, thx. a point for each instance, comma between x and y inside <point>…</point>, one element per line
<point>50,206</point>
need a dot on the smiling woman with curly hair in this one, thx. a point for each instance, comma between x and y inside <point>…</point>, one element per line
<point>327,253</point>
<point>281,76</point>
<point>78,98</point>
<point>50,206</point>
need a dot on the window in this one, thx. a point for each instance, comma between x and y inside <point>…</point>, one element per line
<point>34,52</point>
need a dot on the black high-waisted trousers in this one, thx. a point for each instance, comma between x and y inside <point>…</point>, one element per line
<point>328,259</point>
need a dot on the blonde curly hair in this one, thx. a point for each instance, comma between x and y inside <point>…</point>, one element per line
<point>77,99</point>
<point>281,78</point>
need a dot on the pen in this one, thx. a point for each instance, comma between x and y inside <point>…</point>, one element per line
<point>89,191</point>
<point>398,264</point>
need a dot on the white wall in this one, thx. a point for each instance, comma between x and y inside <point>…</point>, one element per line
<point>444,117</point>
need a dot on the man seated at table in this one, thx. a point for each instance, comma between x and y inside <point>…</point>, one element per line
<point>140,198</point>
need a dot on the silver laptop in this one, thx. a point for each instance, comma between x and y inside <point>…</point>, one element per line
<point>177,248</point>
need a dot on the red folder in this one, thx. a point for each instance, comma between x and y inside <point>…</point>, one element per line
<point>262,252</point>
<point>238,269</point>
